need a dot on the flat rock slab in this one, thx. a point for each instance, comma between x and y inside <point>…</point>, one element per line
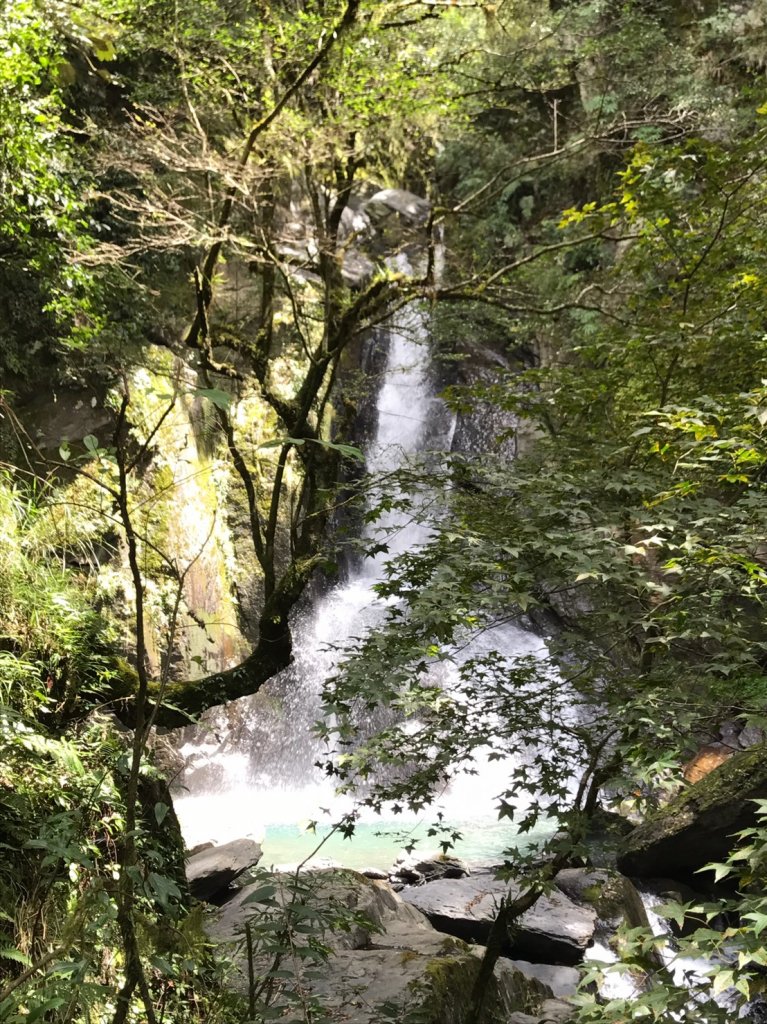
<point>394,924</point>
<point>556,930</point>
<point>211,870</point>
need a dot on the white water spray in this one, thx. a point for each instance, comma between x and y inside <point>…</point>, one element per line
<point>251,764</point>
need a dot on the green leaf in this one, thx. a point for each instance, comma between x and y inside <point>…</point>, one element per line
<point>218,397</point>
<point>9,953</point>
<point>262,894</point>
<point>722,981</point>
<point>164,888</point>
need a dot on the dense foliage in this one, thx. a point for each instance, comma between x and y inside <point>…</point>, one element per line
<point>181,239</point>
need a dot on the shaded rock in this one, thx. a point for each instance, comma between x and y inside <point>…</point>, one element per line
<point>606,830</point>
<point>354,223</point>
<point>357,269</point>
<point>66,414</point>
<point>698,826</point>
<point>729,733</point>
<point>562,981</point>
<point>750,736</point>
<point>212,869</point>
<point>555,930</point>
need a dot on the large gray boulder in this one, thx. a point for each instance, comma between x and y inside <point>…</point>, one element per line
<point>613,897</point>
<point>396,958</point>
<point>397,202</point>
<point>212,869</point>
<point>554,930</point>
<point>698,826</point>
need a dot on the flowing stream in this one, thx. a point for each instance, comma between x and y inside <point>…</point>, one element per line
<point>250,766</point>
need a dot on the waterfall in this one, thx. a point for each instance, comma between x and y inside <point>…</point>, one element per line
<point>250,766</point>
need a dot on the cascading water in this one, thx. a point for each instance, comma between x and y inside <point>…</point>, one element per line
<point>250,766</point>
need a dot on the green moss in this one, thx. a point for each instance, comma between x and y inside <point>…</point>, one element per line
<point>719,798</point>
<point>448,982</point>
<point>450,944</point>
<point>592,894</point>
<point>732,779</point>
<point>124,679</point>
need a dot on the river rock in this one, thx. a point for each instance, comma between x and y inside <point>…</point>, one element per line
<point>396,964</point>
<point>698,826</point>
<point>603,838</point>
<point>383,911</point>
<point>357,269</point>
<point>555,930</point>
<point>406,984</point>
<point>397,202</point>
<point>614,897</point>
<point>415,871</point>
<point>750,736</point>
<point>212,869</point>
<point>355,223</point>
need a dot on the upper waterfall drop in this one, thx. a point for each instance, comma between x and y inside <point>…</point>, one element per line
<point>250,766</point>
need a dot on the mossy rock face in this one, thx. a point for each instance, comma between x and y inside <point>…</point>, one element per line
<point>445,992</point>
<point>699,825</point>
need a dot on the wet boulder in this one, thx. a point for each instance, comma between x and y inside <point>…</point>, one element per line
<point>699,825</point>
<point>211,869</point>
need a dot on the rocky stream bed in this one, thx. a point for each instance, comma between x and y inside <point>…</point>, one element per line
<point>417,935</point>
